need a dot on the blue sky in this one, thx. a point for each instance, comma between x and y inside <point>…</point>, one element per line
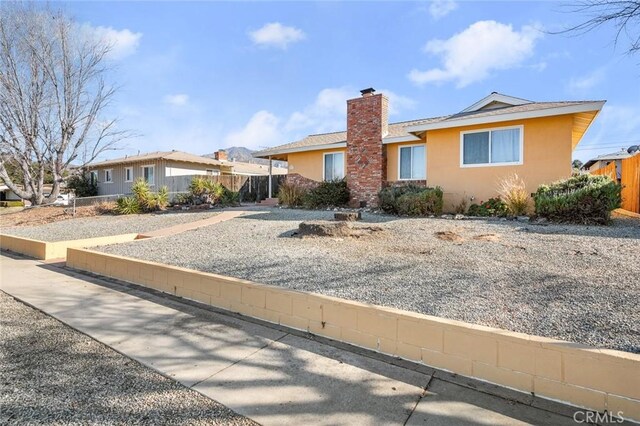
<point>198,76</point>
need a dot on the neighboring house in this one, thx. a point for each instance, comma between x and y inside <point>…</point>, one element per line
<point>173,169</point>
<point>606,159</point>
<point>7,195</point>
<point>248,169</point>
<point>466,154</point>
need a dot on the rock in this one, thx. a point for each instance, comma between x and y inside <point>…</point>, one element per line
<point>348,216</point>
<point>335,229</point>
<point>447,216</point>
<point>458,217</point>
<point>523,218</point>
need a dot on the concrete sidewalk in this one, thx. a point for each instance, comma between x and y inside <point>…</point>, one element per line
<point>263,372</point>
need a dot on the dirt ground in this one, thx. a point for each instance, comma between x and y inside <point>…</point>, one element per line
<point>43,215</point>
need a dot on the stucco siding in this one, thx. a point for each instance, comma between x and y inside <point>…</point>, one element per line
<point>546,158</point>
<point>310,164</point>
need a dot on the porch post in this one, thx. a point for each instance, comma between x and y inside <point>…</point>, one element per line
<point>270,175</point>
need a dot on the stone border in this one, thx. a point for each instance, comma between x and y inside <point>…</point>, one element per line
<point>597,379</point>
<point>47,250</point>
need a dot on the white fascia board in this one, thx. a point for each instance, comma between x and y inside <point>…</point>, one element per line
<point>446,124</point>
<point>405,138</point>
<point>275,151</point>
<point>496,97</point>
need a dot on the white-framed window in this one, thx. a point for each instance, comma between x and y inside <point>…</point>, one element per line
<point>500,146</point>
<point>108,176</point>
<point>148,174</point>
<point>412,162</point>
<point>94,177</point>
<point>333,166</point>
<point>213,172</point>
<point>128,174</point>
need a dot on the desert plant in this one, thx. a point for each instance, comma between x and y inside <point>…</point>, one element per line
<point>411,200</point>
<point>105,207</point>
<point>461,207</point>
<point>328,194</point>
<point>128,205</point>
<point>584,199</point>
<point>207,191</point>
<point>291,195</point>
<point>491,207</point>
<point>513,192</point>
<point>143,200</point>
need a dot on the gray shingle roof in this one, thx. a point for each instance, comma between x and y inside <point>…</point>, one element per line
<point>399,129</point>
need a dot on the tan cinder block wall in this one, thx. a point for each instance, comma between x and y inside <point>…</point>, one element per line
<point>26,246</point>
<point>310,163</point>
<point>597,379</point>
<point>44,250</point>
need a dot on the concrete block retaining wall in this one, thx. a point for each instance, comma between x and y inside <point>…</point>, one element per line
<point>47,250</point>
<point>596,379</point>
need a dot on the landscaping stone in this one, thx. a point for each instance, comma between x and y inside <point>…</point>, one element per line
<point>527,281</point>
<point>458,217</point>
<point>335,229</point>
<point>348,216</point>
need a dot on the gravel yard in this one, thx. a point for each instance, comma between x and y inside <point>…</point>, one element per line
<point>52,374</point>
<point>574,283</point>
<point>102,226</point>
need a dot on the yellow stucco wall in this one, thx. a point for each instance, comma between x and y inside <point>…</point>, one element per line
<point>546,158</point>
<point>309,164</point>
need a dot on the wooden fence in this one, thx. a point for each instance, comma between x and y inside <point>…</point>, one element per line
<point>251,188</point>
<point>629,178</point>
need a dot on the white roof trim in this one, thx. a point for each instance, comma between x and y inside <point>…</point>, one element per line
<point>446,124</point>
<point>495,97</point>
<point>267,152</point>
<point>396,139</point>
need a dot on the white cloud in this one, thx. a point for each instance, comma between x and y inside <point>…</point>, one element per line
<point>473,54</point>
<point>276,35</point>
<point>329,110</point>
<point>179,99</point>
<point>586,82</point>
<point>261,130</point>
<point>441,8</point>
<point>123,43</point>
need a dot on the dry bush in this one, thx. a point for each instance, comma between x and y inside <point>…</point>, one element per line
<point>513,192</point>
<point>105,207</point>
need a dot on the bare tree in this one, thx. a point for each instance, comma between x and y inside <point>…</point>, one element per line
<point>623,14</point>
<point>52,96</point>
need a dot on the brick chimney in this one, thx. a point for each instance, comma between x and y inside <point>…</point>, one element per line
<point>220,155</point>
<point>367,124</point>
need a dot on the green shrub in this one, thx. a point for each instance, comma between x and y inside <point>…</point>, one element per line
<point>127,205</point>
<point>143,200</point>
<point>291,195</point>
<point>16,203</point>
<point>491,207</point>
<point>328,194</point>
<point>82,186</point>
<point>584,199</point>
<point>228,197</point>
<point>207,191</point>
<point>411,200</point>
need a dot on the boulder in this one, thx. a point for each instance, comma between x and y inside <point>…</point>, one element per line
<point>336,229</point>
<point>348,216</point>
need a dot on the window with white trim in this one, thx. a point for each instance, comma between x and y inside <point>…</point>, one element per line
<point>148,173</point>
<point>496,146</point>
<point>128,174</point>
<point>213,172</point>
<point>334,166</point>
<point>412,163</point>
<point>108,176</point>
